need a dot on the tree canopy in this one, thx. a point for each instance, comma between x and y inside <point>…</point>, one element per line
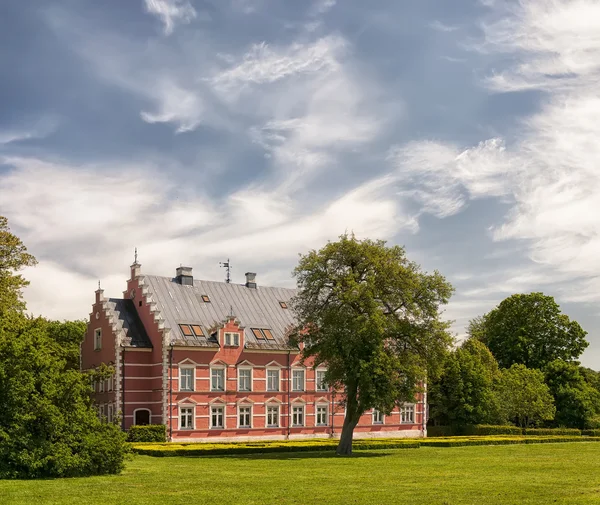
<point>577,402</point>
<point>13,257</point>
<point>465,392</point>
<point>529,329</point>
<point>48,427</point>
<point>524,397</point>
<point>373,316</point>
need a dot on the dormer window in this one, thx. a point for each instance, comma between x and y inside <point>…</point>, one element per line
<point>232,339</point>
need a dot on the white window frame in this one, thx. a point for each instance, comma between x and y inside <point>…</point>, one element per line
<point>274,369</point>
<point>407,408</point>
<point>110,383</point>
<point>273,406</point>
<point>101,411</point>
<point>101,386</point>
<point>239,413</point>
<point>231,339</point>
<point>298,386</point>
<point>246,369</point>
<point>192,416</point>
<point>214,426</point>
<point>140,410</point>
<point>322,406</point>
<point>97,339</point>
<point>320,385</point>
<point>223,371</point>
<point>378,417</point>
<point>302,409</point>
<point>193,380</point>
<point>110,413</point>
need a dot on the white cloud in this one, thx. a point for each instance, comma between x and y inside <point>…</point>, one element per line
<point>171,12</point>
<point>82,222</point>
<point>441,27</point>
<point>551,172</point>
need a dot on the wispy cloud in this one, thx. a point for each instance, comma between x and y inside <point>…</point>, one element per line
<point>441,27</point>
<point>171,12</point>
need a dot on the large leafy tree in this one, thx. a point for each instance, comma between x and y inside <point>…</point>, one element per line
<point>465,394</point>
<point>524,397</point>
<point>48,427</point>
<point>577,402</point>
<point>13,257</point>
<point>373,316</point>
<point>529,329</point>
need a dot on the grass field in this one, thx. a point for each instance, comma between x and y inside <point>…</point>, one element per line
<point>567,473</point>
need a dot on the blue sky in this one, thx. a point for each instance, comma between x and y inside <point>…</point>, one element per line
<point>200,130</point>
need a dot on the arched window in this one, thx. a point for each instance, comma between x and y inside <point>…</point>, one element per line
<point>141,417</point>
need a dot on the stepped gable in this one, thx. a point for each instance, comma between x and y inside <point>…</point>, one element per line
<point>211,304</point>
<point>126,322</point>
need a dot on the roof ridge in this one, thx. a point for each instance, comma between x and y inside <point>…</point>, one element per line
<point>171,279</point>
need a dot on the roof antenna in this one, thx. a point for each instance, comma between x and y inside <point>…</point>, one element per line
<point>227,266</point>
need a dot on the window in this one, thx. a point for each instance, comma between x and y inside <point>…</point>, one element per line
<point>186,378</point>
<point>244,379</point>
<point>377,417</point>
<point>262,334</point>
<point>283,305</point>
<point>217,379</point>
<point>197,330</point>
<point>110,412</point>
<point>244,417</point>
<point>298,416</point>
<point>186,330</point>
<point>205,299</point>
<point>272,416</point>
<point>97,339</point>
<point>110,383</point>
<point>101,412</point>
<point>186,418</point>
<point>321,415</point>
<point>407,414</point>
<point>273,380</point>
<point>232,339</point>
<point>320,380</point>
<point>101,386</point>
<point>297,380</point>
<point>216,417</point>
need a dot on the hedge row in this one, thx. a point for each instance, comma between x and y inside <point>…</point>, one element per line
<point>591,433</point>
<point>208,449</point>
<point>218,449</point>
<point>462,442</point>
<point>487,430</point>
<point>149,433</point>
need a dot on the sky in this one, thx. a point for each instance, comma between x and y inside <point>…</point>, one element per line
<point>256,130</point>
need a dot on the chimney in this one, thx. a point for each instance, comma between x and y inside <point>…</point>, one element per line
<point>184,276</point>
<point>251,280</point>
<point>99,294</point>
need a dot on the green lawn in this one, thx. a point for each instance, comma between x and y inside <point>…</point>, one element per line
<point>567,473</point>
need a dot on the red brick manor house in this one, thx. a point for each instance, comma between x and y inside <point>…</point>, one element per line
<point>211,361</point>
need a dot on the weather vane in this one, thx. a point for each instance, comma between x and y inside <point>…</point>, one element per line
<point>227,266</point>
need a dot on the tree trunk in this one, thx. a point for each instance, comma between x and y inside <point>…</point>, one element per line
<point>344,448</point>
<point>350,421</point>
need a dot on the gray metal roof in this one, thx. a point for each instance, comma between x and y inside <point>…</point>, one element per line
<point>253,308</point>
<point>127,318</point>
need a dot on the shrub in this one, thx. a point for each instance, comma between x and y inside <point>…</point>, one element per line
<point>591,433</point>
<point>463,442</point>
<point>440,431</point>
<point>486,430</point>
<point>552,431</point>
<point>149,433</point>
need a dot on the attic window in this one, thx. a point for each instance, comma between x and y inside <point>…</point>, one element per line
<point>258,333</point>
<point>197,330</point>
<point>205,299</point>
<point>262,334</point>
<point>283,305</point>
<point>185,328</point>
